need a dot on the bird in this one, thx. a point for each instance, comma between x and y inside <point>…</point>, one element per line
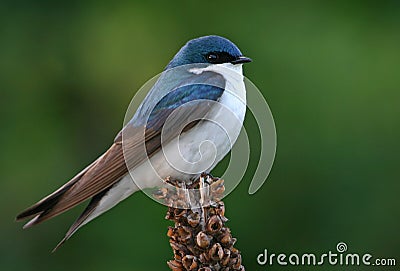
<point>186,124</point>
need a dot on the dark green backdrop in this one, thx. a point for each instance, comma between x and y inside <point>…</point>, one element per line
<point>330,73</point>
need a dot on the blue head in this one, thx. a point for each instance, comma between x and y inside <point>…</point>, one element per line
<point>208,50</point>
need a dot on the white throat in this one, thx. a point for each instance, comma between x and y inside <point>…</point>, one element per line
<point>233,74</point>
<point>222,69</point>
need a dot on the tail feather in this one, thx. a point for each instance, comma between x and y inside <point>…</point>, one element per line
<point>94,182</point>
<point>82,219</point>
<point>44,206</point>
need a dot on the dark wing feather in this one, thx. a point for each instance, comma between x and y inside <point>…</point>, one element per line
<point>103,173</point>
<point>111,167</point>
<point>49,201</point>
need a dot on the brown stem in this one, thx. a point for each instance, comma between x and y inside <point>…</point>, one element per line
<point>199,238</point>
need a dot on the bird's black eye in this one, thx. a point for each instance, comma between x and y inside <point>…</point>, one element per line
<point>219,57</point>
<point>212,57</point>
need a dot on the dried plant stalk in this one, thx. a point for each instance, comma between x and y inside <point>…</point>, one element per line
<point>200,239</point>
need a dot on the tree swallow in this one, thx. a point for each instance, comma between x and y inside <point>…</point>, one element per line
<point>200,97</point>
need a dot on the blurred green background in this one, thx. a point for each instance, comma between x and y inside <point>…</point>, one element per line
<point>329,71</point>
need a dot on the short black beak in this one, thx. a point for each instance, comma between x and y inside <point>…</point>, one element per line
<point>241,60</point>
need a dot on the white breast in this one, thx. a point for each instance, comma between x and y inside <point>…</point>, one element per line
<point>202,147</point>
